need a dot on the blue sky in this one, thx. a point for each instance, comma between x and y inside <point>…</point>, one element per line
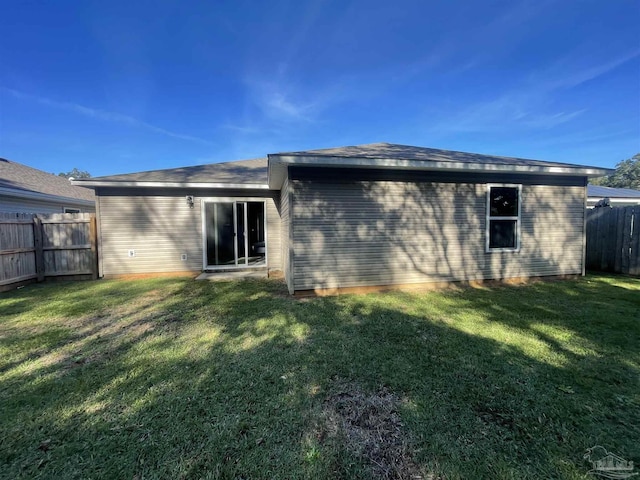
<point>115,87</point>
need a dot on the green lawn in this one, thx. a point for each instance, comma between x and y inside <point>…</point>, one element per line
<point>171,378</point>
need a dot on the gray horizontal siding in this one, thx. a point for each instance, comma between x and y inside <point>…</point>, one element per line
<point>274,235</point>
<point>24,205</point>
<point>162,227</point>
<point>159,228</point>
<point>285,234</point>
<point>379,232</point>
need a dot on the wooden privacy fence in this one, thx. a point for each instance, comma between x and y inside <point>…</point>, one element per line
<point>613,239</point>
<point>53,245</point>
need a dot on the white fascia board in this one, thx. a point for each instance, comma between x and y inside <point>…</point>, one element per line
<point>400,164</point>
<point>276,174</point>
<point>615,199</point>
<point>626,200</point>
<point>10,192</point>
<point>116,184</point>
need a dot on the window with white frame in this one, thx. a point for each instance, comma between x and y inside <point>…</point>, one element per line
<point>503,218</point>
<point>71,210</point>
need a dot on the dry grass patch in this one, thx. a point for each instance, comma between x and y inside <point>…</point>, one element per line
<point>369,427</point>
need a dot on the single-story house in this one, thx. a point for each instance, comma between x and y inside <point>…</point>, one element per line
<point>28,190</point>
<point>614,197</point>
<point>360,216</point>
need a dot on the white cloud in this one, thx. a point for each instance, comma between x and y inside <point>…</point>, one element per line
<point>530,105</point>
<point>279,100</point>
<point>280,105</point>
<point>574,76</point>
<point>103,115</point>
<point>553,119</point>
<point>512,110</point>
<point>489,39</point>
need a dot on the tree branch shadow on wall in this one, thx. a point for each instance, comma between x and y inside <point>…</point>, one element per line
<point>428,232</point>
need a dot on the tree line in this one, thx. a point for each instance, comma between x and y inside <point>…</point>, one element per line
<point>626,175</point>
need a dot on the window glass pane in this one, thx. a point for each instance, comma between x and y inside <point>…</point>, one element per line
<point>502,234</point>
<point>241,233</point>
<point>255,228</point>
<point>503,202</point>
<point>220,233</point>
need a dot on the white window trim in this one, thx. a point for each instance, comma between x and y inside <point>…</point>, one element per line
<point>488,217</point>
<point>64,209</point>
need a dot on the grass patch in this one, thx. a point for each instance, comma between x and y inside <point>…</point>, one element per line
<point>170,378</point>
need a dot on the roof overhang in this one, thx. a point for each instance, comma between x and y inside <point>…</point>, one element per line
<point>278,166</point>
<point>44,197</point>
<point>117,184</point>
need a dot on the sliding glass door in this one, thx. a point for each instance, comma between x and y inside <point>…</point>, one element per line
<point>234,234</point>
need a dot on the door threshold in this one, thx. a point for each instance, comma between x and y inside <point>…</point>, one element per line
<point>235,269</point>
<point>244,274</point>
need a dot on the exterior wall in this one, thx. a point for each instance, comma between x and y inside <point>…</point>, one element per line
<point>159,226</point>
<point>24,205</point>
<point>285,211</point>
<point>274,233</point>
<point>386,230</point>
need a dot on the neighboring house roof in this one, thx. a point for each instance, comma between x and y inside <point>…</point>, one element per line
<point>238,174</point>
<point>608,196</point>
<point>20,180</point>
<point>270,172</point>
<point>601,192</point>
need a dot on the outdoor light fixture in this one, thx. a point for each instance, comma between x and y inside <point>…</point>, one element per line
<point>190,201</point>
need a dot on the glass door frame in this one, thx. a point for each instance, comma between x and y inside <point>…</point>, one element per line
<point>234,201</point>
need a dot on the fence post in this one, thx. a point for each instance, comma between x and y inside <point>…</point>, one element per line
<point>39,252</point>
<point>634,262</point>
<point>589,243</point>
<point>626,239</point>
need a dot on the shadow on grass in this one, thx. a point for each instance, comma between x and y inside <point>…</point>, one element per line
<point>178,379</point>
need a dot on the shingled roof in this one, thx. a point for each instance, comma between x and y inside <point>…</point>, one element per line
<point>23,179</point>
<point>269,172</point>
<point>241,172</point>
<point>405,157</point>
<point>601,192</point>
<point>407,152</point>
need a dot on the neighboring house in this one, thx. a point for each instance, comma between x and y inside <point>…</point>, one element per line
<point>614,197</point>
<point>369,215</point>
<point>28,190</point>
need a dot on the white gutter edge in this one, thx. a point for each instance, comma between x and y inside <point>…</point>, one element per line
<point>44,196</point>
<point>615,199</point>
<point>116,184</point>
